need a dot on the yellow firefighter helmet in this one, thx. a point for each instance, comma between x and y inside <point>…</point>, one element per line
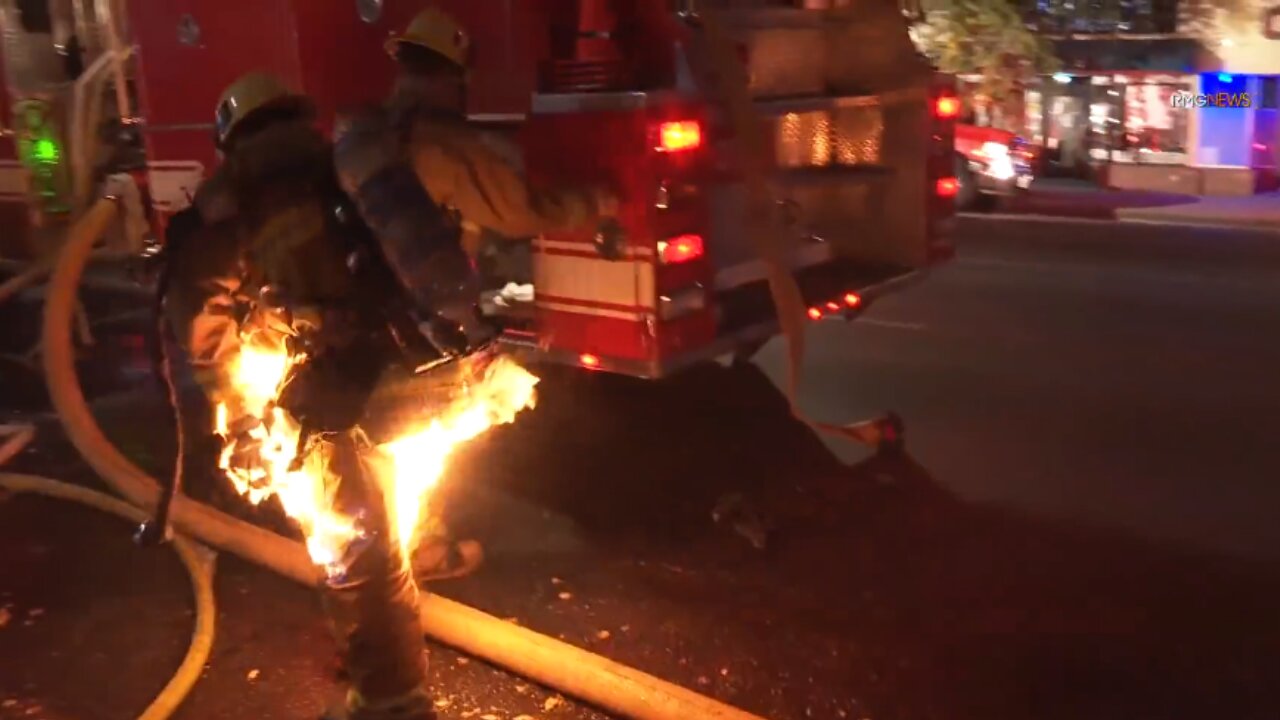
<point>250,93</point>
<point>437,31</point>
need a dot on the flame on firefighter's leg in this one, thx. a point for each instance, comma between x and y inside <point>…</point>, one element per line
<point>372,602</point>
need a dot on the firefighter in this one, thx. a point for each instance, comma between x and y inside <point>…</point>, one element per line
<point>460,165</point>
<point>424,129</point>
<point>418,153</point>
<point>272,245</point>
<point>253,101</point>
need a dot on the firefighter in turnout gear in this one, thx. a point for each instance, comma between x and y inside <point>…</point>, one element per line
<point>403,162</point>
<point>273,251</point>
<point>207,300</point>
<point>457,163</point>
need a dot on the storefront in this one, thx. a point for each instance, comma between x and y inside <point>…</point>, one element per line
<point>1083,120</point>
<point>1113,103</point>
<point>1113,115</point>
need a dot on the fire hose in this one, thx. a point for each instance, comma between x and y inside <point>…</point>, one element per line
<point>198,561</point>
<point>601,682</point>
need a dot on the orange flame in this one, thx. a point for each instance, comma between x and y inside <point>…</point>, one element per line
<point>261,445</point>
<point>419,457</point>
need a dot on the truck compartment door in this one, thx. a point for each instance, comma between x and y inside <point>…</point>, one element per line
<point>845,103</point>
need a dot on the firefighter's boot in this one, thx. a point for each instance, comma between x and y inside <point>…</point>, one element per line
<point>342,711</point>
<point>439,558</point>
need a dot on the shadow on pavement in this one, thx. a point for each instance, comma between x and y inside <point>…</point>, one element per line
<point>879,595</point>
<point>629,458</point>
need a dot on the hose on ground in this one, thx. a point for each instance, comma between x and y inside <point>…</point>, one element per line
<point>198,561</point>
<point>609,685</point>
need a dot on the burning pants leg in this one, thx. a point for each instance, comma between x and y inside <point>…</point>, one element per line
<point>372,601</point>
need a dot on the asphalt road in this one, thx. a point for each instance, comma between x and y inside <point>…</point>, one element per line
<point>1083,526</point>
<point>1126,375</point>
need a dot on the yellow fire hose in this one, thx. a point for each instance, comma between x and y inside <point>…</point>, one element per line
<point>601,682</point>
<point>198,561</point>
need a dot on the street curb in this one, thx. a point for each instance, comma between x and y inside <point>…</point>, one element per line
<point>1267,224</point>
<point>1253,226</point>
<point>1035,217</point>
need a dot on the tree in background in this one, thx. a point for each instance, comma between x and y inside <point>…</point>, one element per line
<point>1215,20</point>
<point>989,39</point>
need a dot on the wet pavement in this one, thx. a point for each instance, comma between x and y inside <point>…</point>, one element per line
<point>1063,540</point>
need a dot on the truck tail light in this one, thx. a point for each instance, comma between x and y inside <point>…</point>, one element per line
<point>947,187</point>
<point>678,136</point>
<point>682,248</point>
<point>946,107</point>
<point>842,306</point>
<point>589,361</point>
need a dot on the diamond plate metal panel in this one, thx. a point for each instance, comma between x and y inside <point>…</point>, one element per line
<point>859,132</point>
<point>803,139</point>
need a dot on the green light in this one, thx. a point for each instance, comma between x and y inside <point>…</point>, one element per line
<point>44,150</point>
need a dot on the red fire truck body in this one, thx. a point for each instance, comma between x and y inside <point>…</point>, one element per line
<point>14,190</point>
<point>618,92</point>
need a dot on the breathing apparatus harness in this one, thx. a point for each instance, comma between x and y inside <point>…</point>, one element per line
<point>347,344</point>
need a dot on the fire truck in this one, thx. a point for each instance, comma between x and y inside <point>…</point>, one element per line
<point>860,136</point>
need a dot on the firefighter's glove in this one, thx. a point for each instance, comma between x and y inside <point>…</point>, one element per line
<point>445,280</point>
<point>458,330</point>
<point>365,145</point>
<point>449,292</point>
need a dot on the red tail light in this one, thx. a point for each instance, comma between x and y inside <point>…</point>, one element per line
<point>947,187</point>
<point>947,107</point>
<point>852,299</point>
<point>680,249</point>
<point>589,361</point>
<point>678,136</point>
<point>815,313</point>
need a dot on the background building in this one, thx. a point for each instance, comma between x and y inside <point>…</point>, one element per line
<point>1110,114</point>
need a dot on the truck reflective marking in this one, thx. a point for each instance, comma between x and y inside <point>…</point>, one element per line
<point>565,247</point>
<point>577,277</point>
<point>584,309</point>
